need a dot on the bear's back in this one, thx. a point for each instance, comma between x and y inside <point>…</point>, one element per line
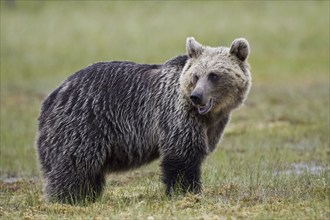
<point>112,82</point>
<point>94,81</point>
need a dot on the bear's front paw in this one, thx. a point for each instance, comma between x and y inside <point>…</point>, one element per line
<point>193,187</point>
<point>184,186</point>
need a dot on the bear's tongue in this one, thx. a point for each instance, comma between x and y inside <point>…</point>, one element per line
<point>205,108</point>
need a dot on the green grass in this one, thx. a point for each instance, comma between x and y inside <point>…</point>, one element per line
<point>274,159</point>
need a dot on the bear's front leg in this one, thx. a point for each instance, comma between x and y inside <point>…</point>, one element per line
<point>183,147</point>
<point>182,172</point>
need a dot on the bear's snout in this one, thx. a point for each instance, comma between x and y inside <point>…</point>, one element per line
<point>196,98</point>
<point>202,104</point>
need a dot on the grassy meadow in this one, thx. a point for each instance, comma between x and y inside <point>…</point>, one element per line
<point>273,162</point>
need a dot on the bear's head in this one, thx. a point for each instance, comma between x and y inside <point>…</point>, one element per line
<point>216,79</point>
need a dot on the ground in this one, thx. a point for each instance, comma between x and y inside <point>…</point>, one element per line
<point>274,159</point>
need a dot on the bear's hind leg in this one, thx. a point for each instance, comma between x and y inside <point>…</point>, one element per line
<point>68,184</point>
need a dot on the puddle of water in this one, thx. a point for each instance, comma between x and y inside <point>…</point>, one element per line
<point>15,179</point>
<point>301,168</point>
<point>11,180</point>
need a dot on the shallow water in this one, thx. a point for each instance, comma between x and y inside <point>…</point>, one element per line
<point>302,168</point>
<point>15,179</point>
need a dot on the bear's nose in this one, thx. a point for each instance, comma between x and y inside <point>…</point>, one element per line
<point>196,98</point>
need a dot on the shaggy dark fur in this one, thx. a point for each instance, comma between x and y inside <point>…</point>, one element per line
<point>114,116</point>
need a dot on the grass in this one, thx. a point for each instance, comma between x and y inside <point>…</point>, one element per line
<point>274,159</point>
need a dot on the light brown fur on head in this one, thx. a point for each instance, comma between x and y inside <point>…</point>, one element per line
<point>216,79</point>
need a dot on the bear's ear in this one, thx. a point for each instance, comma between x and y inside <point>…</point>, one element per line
<point>194,49</point>
<point>240,48</point>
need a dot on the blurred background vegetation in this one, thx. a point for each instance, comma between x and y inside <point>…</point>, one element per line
<point>43,42</point>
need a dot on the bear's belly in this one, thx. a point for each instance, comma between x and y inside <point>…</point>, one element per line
<point>123,158</point>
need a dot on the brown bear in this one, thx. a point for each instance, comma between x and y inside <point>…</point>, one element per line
<point>115,116</point>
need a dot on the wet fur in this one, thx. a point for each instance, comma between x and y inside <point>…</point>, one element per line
<point>115,116</point>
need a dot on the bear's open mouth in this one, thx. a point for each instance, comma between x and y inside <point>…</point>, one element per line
<point>203,109</point>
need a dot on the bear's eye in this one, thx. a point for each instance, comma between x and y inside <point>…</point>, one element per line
<point>196,78</point>
<point>213,77</point>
